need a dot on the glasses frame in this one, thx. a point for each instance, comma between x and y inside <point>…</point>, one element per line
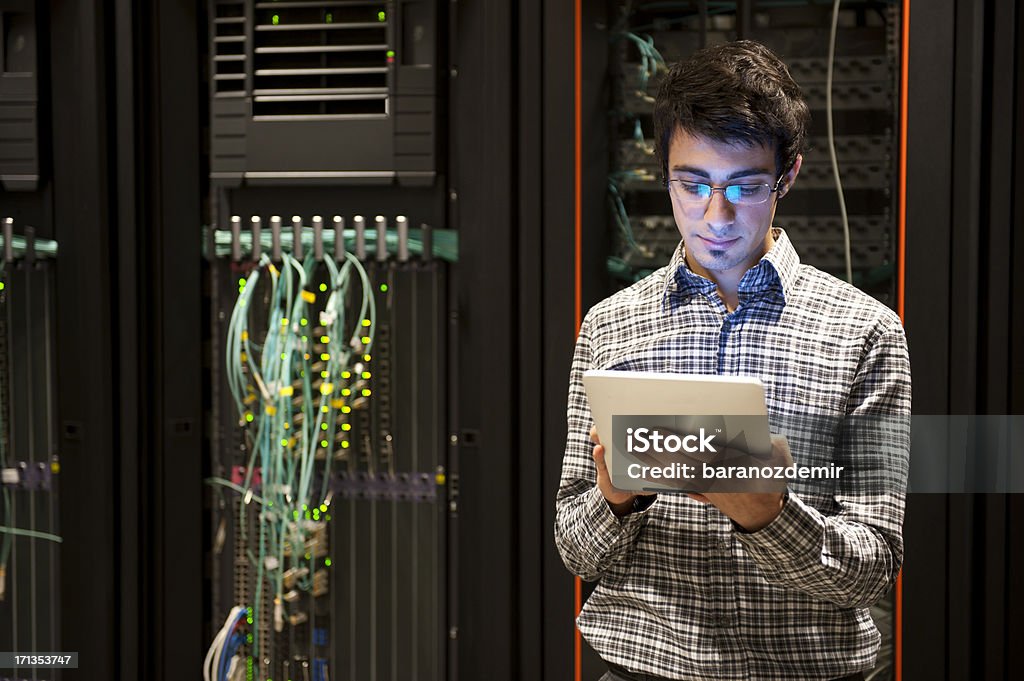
<point>707,201</point>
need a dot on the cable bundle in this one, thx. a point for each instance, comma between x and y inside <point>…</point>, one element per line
<point>221,663</point>
<point>294,380</point>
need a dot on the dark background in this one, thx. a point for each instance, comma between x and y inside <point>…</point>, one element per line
<point>124,105</point>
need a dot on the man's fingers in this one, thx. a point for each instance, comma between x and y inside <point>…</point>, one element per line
<point>599,459</point>
<point>593,435</point>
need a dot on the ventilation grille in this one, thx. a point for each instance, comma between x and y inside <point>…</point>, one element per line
<point>229,48</point>
<point>320,60</point>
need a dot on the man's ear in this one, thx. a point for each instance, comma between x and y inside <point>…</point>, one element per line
<point>790,177</point>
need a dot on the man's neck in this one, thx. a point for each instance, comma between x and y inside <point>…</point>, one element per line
<point>729,296</point>
<point>728,282</point>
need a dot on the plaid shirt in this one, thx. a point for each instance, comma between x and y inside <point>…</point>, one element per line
<point>683,593</point>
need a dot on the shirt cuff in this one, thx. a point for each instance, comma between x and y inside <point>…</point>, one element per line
<point>609,530</point>
<point>642,502</point>
<point>795,536</point>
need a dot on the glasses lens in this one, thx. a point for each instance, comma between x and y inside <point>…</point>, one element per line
<point>737,194</point>
<point>747,194</point>
<point>692,191</point>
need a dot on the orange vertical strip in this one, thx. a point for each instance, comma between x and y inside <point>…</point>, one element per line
<point>578,86</point>
<point>898,662</point>
<point>578,261</point>
<point>901,263</point>
<point>904,80</point>
<point>578,664</point>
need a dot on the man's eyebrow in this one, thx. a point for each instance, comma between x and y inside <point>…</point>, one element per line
<point>700,172</point>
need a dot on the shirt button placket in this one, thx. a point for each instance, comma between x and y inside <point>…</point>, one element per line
<point>723,346</point>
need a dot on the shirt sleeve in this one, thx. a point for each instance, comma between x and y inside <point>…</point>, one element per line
<point>851,554</point>
<point>589,536</point>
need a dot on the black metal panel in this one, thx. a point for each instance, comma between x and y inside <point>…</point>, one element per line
<point>967,165</point>
<point>1014,593</point>
<point>559,325</point>
<point>991,635</point>
<point>996,209</point>
<point>85,355</point>
<point>963,590</point>
<point>169,211</point>
<point>596,122</point>
<point>1016,249</point>
<point>963,324</point>
<point>533,500</point>
<point>133,582</point>
<point>927,319</point>
<point>484,116</point>
<point>595,138</point>
<point>925,583</point>
<point>126,150</point>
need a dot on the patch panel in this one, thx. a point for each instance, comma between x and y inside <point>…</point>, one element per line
<point>854,149</point>
<point>826,227</point>
<point>316,387</point>
<point>856,96</point>
<point>818,174</point>
<point>845,70</point>
<point>829,255</point>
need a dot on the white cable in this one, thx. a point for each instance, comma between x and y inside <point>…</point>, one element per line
<point>213,655</point>
<point>217,647</point>
<point>225,633</point>
<point>832,142</point>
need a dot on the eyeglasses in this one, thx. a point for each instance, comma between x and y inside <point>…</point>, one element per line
<point>736,194</point>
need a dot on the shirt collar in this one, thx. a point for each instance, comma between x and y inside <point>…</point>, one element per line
<point>776,270</point>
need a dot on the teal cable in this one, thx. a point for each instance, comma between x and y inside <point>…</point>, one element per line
<point>42,248</point>
<point>31,533</point>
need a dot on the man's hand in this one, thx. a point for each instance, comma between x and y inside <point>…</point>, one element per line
<point>751,510</point>
<point>621,502</point>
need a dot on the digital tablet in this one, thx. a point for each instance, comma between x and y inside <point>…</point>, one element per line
<point>658,427</point>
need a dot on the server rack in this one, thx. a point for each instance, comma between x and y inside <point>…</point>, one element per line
<point>326,136</point>
<point>30,556</point>
<point>644,38</point>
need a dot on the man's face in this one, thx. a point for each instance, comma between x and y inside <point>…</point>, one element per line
<point>723,240</point>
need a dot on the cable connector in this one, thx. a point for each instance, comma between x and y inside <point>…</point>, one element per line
<point>278,615</point>
<point>293,574</point>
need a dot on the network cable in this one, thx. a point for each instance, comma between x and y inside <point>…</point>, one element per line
<point>289,396</point>
<point>847,249</point>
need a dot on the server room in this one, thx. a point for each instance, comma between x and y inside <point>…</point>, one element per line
<point>335,338</point>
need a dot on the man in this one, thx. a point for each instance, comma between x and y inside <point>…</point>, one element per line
<point>742,585</point>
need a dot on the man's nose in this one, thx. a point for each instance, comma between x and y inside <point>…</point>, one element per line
<point>720,213</point>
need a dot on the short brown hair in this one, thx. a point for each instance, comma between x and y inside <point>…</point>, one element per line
<point>734,92</point>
